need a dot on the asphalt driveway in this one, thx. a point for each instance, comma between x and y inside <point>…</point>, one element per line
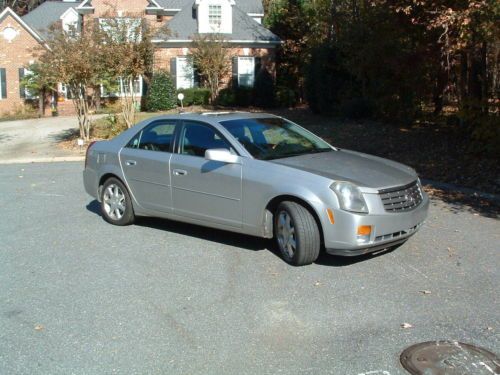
<point>79,296</point>
<point>36,140</point>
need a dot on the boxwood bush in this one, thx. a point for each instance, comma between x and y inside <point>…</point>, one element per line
<point>195,96</point>
<point>161,95</point>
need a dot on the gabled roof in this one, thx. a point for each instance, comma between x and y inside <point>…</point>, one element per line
<point>26,26</point>
<point>183,26</point>
<point>47,13</point>
<point>247,6</point>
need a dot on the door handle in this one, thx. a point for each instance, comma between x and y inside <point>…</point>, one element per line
<point>131,162</point>
<point>180,172</point>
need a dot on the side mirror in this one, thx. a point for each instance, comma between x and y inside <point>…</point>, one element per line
<point>221,154</point>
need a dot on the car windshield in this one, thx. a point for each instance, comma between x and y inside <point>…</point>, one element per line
<point>274,138</point>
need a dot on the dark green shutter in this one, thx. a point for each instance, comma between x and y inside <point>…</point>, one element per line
<point>196,77</point>
<point>257,68</point>
<point>173,70</point>
<point>3,80</point>
<point>22,91</point>
<point>145,87</point>
<point>235,72</point>
<point>257,65</point>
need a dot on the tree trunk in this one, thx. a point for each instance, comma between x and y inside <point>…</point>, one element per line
<point>439,87</point>
<point>41,103</point>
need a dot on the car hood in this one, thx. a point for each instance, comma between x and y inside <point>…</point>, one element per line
<point>361,169</point>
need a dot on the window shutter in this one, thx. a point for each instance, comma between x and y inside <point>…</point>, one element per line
<point>257,65</point>
<point>22,91</point>
<point>235,72</point>
<point>173,70</point>
<point>145,86</point>
<point>196,74</point>
<point>3,83</point>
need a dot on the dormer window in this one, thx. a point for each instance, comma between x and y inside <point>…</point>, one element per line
<point>215,16</point>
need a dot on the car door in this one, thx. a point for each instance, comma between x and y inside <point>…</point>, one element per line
<point>145,161</point>
<point>202,189</point>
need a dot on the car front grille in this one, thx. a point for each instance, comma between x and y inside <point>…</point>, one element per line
<point>402,198</point>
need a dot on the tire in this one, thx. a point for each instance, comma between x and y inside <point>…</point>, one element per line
<point>294,224</point>
<point>116,205</point>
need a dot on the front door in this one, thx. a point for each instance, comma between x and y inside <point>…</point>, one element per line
<point>146,165</point>
<point>202,189</point>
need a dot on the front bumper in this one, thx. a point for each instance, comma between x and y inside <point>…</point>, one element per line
<point>388,230</point>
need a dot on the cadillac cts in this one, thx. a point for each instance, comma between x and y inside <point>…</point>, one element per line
<point>257,174</point>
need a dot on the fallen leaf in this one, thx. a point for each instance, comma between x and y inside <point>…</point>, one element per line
<point>425,291</point>
<point>317,283</point>
<point>406,325</point>
<point>39,327</point>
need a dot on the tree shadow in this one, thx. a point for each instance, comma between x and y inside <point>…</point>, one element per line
<point>5,138</point>
<point>70,134</point>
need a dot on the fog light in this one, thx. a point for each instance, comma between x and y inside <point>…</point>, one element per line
<point>364,233</point>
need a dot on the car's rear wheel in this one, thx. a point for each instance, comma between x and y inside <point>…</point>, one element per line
<point>296,233</point>
<point>116,205</point>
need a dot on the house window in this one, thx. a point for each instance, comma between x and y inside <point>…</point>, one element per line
<point>246,71</point>
<point>25,93</point>
<point>126,29</point>
<point>3,84</point>
<point>215,16</point>
<point>121,88</point>
<point>185,73</point>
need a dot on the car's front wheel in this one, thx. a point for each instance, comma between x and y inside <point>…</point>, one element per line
<point>116,205</point>
<point>297,233</point>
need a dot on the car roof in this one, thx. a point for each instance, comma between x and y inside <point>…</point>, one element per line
<point>218,116</point>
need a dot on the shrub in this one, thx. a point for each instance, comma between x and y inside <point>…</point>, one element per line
<point>357,108</point>
<point>226,98</point>
<point>285,97</point>
<point>486,136</point>
<point>239,97</point>
<point>264,95</point>
<point>195,96</point>
<point>162,95</point>
<point>108,127</point>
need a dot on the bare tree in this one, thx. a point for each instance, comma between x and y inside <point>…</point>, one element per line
<point>71,58</point>
<point>127,56</point>
<point>211,56</point>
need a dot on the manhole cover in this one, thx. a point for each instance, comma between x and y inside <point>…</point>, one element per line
<point>449,358</point>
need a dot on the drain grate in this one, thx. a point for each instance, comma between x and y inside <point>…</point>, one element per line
<point>449,358</point>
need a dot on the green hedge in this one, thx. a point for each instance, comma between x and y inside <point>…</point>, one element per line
<point>161,94</point>
<point>195,96</point>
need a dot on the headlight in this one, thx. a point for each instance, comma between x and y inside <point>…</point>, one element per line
<point>350,197</point>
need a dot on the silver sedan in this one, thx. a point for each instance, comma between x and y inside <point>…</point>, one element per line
<point>260,175</point>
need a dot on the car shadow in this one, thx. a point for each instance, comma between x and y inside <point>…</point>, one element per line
<point>235,239</point>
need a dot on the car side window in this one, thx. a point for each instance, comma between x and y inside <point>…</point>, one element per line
<point>158,136</point>
<point>196,138</point>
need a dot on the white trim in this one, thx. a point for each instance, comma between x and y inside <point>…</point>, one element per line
<point>255,14</point>
<point>82,5</point>
<point>155,3</point>
<point>272,42</point>
<point>68,10</point>
<point>121,94</point>
<point>22,23</point>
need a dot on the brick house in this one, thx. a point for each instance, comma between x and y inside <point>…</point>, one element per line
<point>252,45</point>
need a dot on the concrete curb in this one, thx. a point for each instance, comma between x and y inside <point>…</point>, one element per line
<point>54,159</point>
